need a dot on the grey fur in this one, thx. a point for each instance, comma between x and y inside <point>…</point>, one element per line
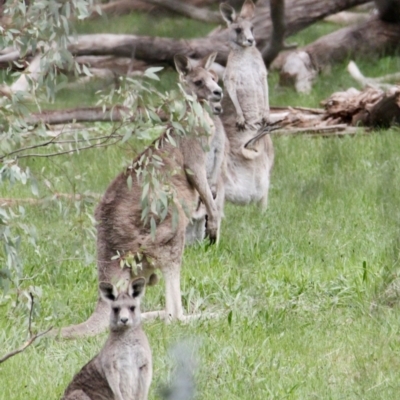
<point>123,368</point>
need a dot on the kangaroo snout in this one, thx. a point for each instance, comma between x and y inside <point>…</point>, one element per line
<point>216,108</point>
<point>216,95</point>
<point>124,320</point>
<point>250,42</point>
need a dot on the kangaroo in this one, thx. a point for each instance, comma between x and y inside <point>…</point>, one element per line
<point>215,169</point>
<point>250,154</point>
<point>120,230</point>
<point>123,368</point>
<point>245,77</point>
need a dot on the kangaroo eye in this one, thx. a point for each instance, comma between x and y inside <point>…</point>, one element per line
<point>132,308</point>
<point>116,310</point>
<point>238,30</point>
<point>198,83</point>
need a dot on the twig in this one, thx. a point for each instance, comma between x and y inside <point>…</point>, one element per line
<point>30,314</point>
<point>32,337</point>
<point>68,151</point>
<point>104,143</point>
<point>25,345</point>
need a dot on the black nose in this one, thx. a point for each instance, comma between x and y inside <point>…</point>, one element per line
<point>217,93</point>
<point>218,110</point>
<point>250,41</point>
<point>124,320</point>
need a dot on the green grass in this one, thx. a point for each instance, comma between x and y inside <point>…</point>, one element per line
<point>306,294</point>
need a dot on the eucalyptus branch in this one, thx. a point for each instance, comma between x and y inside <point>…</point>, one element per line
<point>35,146</point>
<point>72,151</point>
<point>89,139</point>
<point>105,138</point>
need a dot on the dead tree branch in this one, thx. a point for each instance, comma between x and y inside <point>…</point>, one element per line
<point>364,81</point>
<point>32,337</point>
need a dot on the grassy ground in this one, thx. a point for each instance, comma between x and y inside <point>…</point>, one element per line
<point>307,294</point>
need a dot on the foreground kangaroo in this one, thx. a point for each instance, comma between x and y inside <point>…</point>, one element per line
<point>250,156</point>
<point>123,368</point>
<point>120,230</point>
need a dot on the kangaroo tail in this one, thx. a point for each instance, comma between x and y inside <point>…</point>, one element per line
<point>95,324</point>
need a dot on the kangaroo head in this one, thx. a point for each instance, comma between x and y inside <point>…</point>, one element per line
<point>125,304</point>
<point>200,79</point>
<point>240,26</point>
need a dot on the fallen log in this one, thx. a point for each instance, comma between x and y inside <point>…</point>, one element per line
<point>371,107</point>
<point>299,14</point>
<point>372,38</point>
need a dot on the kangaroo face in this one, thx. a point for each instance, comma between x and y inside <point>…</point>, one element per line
<point>240,26</point>
<point>241,33</point>
<point>124,312</point>
<point>125,305</point>
<point>200,80</point>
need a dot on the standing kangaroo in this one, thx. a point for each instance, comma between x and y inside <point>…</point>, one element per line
<point>250,155</point>
<point>123,368</point>
<point>245,77</point>
<point>120,229</point>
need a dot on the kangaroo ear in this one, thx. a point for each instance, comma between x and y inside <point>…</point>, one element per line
<point>108,291</point>
<point>136,287</point>
<point>182,64</point>
<point>208,61</point>
<point>227,12</point>
<point>247,11</point>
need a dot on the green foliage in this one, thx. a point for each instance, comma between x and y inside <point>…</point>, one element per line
<point>42,29</point>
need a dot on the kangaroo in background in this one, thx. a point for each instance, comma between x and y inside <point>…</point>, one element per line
<point>215,169</point>
<point>245,77</point>
<point>120,229</point>
<point>250,153</point>
<point>123,368</point>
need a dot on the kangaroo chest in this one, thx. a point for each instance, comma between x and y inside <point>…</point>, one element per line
<point>247,75</point>
<point>125,366</point>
